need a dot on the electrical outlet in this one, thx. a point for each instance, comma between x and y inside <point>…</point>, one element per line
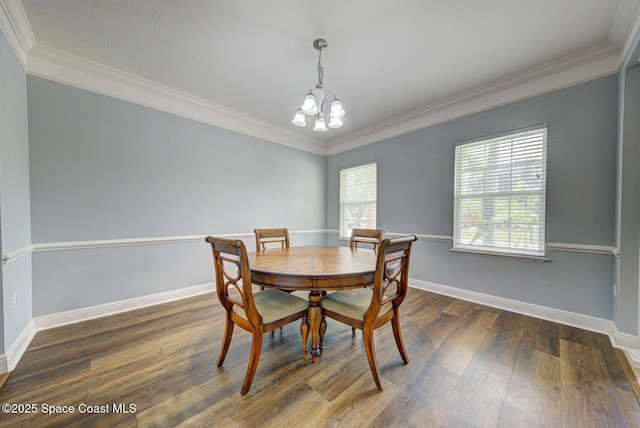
<point>15,299</point>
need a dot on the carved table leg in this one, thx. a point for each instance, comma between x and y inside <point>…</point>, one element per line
<point>315,317</point>
<point>323,330</point>
<point>304,331</point>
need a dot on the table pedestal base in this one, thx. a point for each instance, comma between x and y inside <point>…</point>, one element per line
<point>315,323</point>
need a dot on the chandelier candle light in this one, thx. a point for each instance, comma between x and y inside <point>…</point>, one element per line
<point>316,103</point>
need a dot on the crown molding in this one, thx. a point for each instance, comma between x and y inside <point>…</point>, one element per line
<point>52,64</point>
<point>589,64</point>
<point>17,30</point>
<point>42,61</point>
<point>630,43</point>
<point>625,25</point>
<point>596,62</point>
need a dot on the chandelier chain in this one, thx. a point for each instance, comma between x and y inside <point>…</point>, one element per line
<point>316,104</point>
<point>320,70</point>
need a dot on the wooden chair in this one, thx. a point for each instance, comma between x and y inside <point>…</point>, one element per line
<point>365,236</point>
<point>269,236</point>
<point>367,309</point>
<point>257,313</point>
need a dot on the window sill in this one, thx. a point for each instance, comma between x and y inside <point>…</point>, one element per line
<point>502,255</point>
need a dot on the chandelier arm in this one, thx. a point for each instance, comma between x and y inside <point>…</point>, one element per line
<point>327,99</point>
<point>316,102</point>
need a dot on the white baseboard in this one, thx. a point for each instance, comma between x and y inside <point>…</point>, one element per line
<point>9,360</point>
<point>628,343</point>
<point>70,317</point>
<point>631,346</point>
<point>585,322</point>
<point>634,358</point>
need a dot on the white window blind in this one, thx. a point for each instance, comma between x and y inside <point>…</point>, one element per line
<point>358,198</point>
<point>500,187</point>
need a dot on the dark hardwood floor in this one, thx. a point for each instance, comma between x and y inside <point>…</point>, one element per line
<point>470,366</point>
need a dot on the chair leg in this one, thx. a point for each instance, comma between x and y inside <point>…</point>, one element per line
<point>397,334</point>
<point>254,358</point>
<point>304,332</point>
<point>273,331</point>
<point>367,335</point>
<point>226,340</point>
<point>353,331</point>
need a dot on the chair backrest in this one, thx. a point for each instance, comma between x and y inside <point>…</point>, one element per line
<point>365,236</point>
<point>269,236</point>
<point>391,280</point>
<point>233,277</point>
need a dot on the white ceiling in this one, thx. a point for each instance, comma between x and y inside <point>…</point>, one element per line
<point>246,65</point>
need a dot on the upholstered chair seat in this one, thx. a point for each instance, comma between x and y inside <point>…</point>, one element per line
<point>258,313</point>
<point>274,304</point>
<point>352,303</point>
<point>368,309</point>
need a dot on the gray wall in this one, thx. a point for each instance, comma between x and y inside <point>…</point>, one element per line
<point>105,169</point>
<point>628,305</point>
<point>15,278</point>
<point>415,195</point>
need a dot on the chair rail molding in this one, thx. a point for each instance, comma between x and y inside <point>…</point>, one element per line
<point>553,246</point>
<point>14,255</point>
<point>11,256</point>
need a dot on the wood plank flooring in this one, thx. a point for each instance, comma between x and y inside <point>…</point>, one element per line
<point>470,366</point>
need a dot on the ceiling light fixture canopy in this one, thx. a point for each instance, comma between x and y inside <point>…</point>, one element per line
<point>318,105</point>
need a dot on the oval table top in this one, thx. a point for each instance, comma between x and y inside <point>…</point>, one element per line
<point>308,268</point>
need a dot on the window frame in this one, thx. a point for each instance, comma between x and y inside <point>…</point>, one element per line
<point>491,165</point>
<point>345,232</point>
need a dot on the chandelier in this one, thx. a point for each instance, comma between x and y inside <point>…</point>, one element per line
<point>318,105</point>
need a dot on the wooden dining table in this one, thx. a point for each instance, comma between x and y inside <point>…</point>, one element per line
<point>313,269</point>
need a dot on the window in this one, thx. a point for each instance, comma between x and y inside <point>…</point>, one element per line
<point>499,200</point>
<point>358,195</point>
